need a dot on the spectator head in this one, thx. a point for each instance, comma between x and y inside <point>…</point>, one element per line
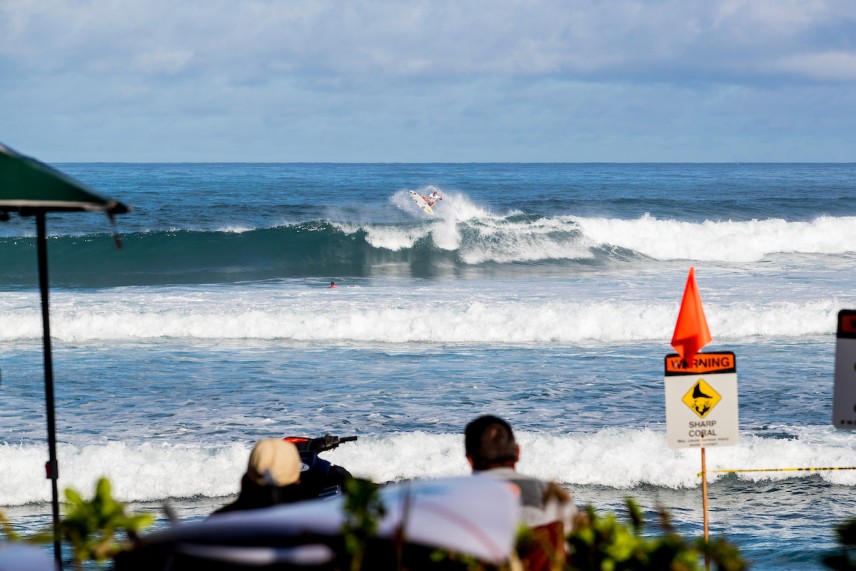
<point>489,443</point>
<point>274,462</point>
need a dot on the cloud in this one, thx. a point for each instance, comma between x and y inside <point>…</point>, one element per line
<point>829,66</point>
<point>392,39</point>
<point>163,62</point>
<point>430,79</point>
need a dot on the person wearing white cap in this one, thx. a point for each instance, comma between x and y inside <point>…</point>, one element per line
<point>272,477</point>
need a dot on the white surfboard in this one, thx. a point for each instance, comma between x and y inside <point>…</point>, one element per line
<point>420,202</point>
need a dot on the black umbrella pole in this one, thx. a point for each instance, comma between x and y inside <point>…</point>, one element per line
<point>52,466</point>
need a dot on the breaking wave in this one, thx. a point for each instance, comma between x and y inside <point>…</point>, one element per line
<point>617,458</point>
<point>365,315</point>
<point>463,240</point>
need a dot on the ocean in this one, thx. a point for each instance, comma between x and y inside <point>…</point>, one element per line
<point>543,293</point>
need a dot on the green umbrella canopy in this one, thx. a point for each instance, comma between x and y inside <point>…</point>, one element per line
<point>28,186</point>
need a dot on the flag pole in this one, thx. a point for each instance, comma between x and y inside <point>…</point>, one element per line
<point>704,506</point>
<point>691,334</point>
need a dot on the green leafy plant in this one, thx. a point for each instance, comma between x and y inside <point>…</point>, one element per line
<point>604,543</point>
<point>449,560</point>
<point>89,526</point>
<point>363,511</point>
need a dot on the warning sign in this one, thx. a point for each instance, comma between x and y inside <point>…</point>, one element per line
<point>844,390</point>
<point>701,401</point>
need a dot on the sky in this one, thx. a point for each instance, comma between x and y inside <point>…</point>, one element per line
<point>429,80</point>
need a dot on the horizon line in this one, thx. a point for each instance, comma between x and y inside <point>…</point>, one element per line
<point>462,162</point>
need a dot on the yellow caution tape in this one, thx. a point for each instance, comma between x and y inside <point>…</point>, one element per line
<point>776,470</point>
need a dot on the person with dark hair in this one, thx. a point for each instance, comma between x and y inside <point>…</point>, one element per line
<point>547,509</point>
<point>489,443</point>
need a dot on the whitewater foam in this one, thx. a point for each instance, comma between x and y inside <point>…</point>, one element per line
<point>509,241</point>
<point>722,240</point>
<point>617,458</point>
<point>480,237</point>
<point>357,314</point>
<point>393,238</point>
<point>445,227</point>
<point>455,206</point>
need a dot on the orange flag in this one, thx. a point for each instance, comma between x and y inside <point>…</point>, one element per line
<point>691,332</point>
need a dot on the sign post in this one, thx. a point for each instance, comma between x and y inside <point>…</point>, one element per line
<point>702,408</point>
<point>699,393</point>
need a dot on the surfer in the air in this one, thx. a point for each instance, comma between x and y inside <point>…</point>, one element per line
<point>432,198</point>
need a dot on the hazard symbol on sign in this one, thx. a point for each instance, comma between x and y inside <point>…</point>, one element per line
<point>701,399</point>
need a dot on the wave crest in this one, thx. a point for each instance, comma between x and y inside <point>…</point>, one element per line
<point>464,239</point>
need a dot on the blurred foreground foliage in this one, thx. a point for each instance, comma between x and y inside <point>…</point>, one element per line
<point>844,560</point>
<point>597,542</point>
<point>90,526</point>
<point>604,543</point>
<point>363,511</point>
